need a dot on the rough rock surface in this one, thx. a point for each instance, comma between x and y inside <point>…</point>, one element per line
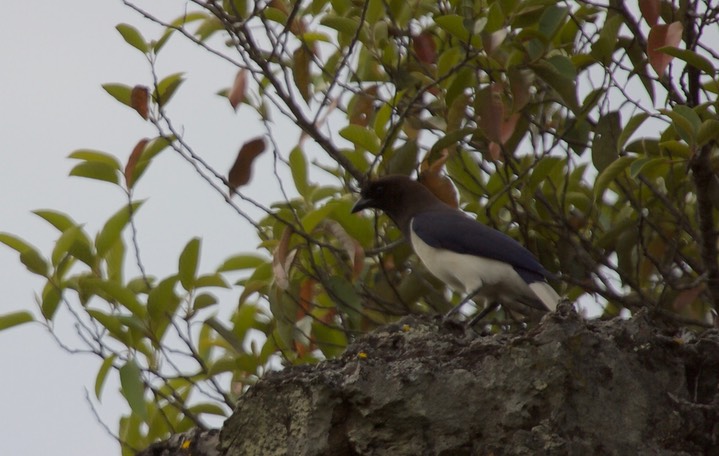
<point>419,387</point>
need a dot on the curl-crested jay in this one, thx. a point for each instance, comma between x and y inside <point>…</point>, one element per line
<point>468,256</point>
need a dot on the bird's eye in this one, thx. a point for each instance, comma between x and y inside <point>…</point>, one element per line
<point>378,190</point>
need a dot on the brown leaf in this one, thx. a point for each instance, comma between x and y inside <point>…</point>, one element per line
<point>650,11</point>
<point>432,177</point>
<point>237,92</point>
<point>659,36</point>
<point>490,109</point>
<point>241,170</point>
<point>132,162</point>
<point>362,107</point>
<point>686,298</point>
<point>139,100</point>
<point>301,60</point>
<point>425,48</point>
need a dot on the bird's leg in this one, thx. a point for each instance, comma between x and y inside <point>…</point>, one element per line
<point>463,302</point>
<point>483,313</point>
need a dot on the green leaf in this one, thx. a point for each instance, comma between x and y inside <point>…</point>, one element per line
<point>187,268</point>
<point>51,298</point>
<point>115,260</point>
<point>677,149</point>
<point>698,61</point>
<point>361,137</point>
<point>301,61</point>
<point>166,88</point>
<point>402,160</point>
<point>344,25</point>
<point>606,138</point>
<point>314,217</point>
<point>133,388</point>
<point>74,242</point>
<point>119,293</point>
<point>610,173</point>
<point>34,262</point>
<point>453,24</point>
<point>332,340</point>
<point>95,170</point>
<point>110,233</point>
<point>97,157</point>
<point>102,374</point>
<point>451,139</point>
<point>604,47</point>
<point>646,164</point>
<point>15,242</point>
<point>162,300</point>
<point>226,334</point>
<point>211,280</point>
<point>630,128</point>
<point>15,319</point>
<point>57,219</point>
<point>120,92</point>
<point>685,122</point>
<point>203,300</point>
<point>239,262</point>
<point>566,88</point>
<point>298,167</point>
<point>133,37</point>
<point>110,323</point>
<point>552,18</point>
<point>708,131</point>
<point>208,408</point>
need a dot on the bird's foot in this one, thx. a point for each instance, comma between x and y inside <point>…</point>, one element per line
<point>486,311</point>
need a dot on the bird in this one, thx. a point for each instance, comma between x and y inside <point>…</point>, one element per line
<point>468,256</point>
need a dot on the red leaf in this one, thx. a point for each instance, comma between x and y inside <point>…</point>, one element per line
<point>425,48</point>
<point>507,128</point>
<point>495,151</point>
<point>306,298</point>
<point>659,36</point>
<point>432,177</point>
<point>241,170</point>
<point>650,11</point>
<point>237,92</point>
<point>132,162</point>
<point>138,100</point>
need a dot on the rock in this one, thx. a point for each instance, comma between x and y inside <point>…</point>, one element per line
<point>418,387</point>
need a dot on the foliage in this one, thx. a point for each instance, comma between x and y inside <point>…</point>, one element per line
<point>542,119</point>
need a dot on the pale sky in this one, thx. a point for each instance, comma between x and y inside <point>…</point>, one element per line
<point>55,56</point>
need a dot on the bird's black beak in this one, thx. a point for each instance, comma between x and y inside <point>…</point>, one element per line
<point>362,203</point>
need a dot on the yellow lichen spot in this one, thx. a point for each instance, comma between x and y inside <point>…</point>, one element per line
<point>186,444</point>
<point>362,355</point>
<point>406,328</point>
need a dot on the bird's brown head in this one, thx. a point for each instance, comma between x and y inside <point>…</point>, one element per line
<point>399,197</point>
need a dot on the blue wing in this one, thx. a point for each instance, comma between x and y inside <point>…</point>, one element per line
<point>453,230</point>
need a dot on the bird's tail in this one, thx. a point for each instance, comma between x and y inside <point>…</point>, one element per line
<point>546,294</point>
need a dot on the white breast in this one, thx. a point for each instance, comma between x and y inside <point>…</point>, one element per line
<point>496,280</point>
